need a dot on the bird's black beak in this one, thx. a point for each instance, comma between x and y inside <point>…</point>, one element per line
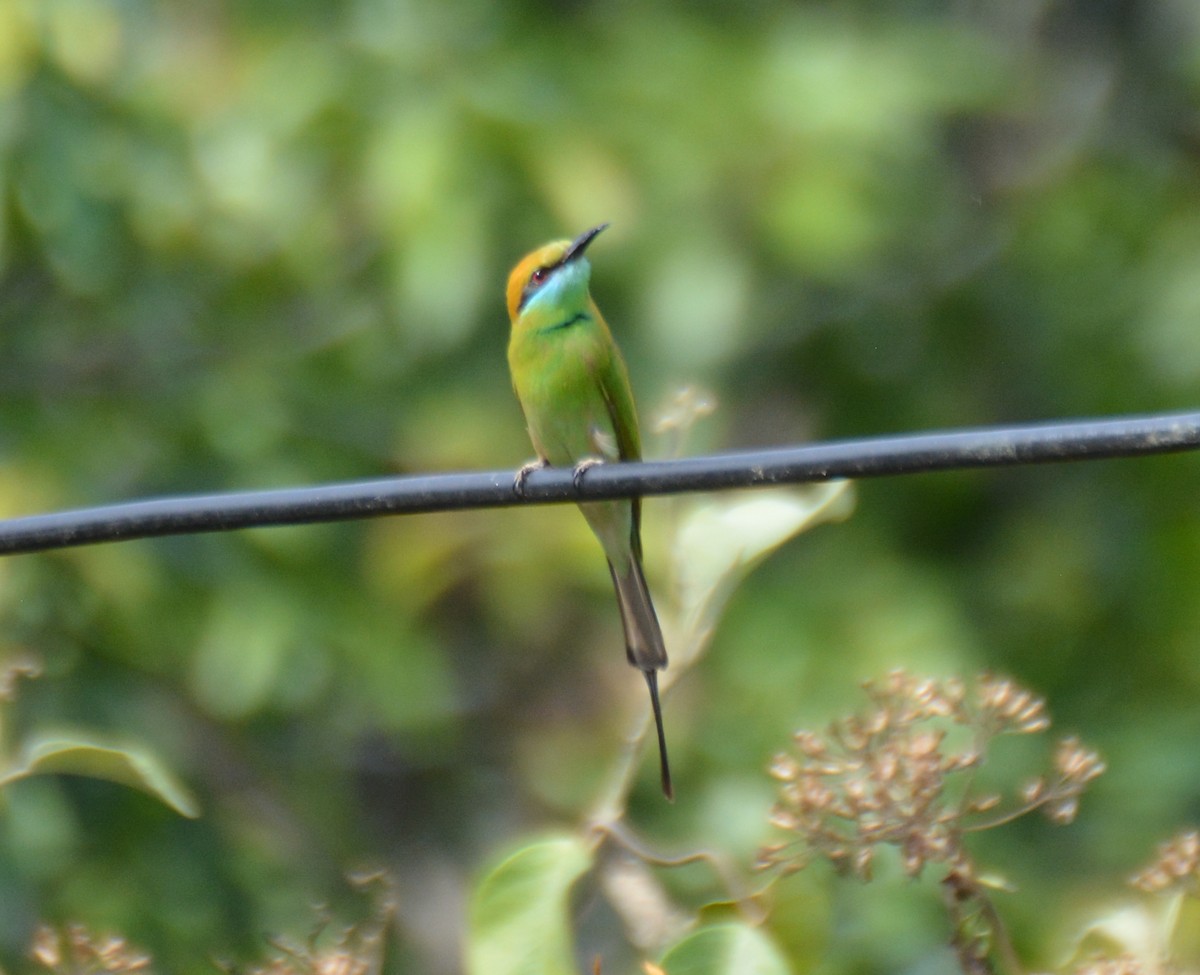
<point>580,243</point>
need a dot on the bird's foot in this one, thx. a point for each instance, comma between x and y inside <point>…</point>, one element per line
<point>523,475</point>
<point>582,468</point>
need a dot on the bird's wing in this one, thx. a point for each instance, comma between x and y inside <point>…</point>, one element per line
<point>613,380</point>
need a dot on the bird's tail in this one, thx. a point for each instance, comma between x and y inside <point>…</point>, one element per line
<point>644,647</point>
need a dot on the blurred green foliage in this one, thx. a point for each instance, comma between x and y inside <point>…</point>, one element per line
<point>262,243</point>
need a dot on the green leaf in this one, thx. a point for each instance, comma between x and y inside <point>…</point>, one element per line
<point>518,922</point>
<point>725,949</point>
<point>723,538</point>
<point>128,765</point>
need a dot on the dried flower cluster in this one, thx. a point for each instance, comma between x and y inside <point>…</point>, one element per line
<point>335,962</point>
<point>686,405</point>
<point>1176,866</point>
<point>901,775</point>
<point>355,950</point>
<point>78,952</point>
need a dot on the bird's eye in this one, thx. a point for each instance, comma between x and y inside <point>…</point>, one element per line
<point>538,276</point>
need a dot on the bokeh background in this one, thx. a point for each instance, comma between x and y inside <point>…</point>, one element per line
<point>263,243</point>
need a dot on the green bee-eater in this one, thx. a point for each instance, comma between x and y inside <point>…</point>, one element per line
<point>574,391</point>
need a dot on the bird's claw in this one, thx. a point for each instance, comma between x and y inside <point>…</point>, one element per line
<point>582,468</point>
<point>523,475</point>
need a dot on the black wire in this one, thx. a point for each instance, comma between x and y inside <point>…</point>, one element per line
<point>986,447</point>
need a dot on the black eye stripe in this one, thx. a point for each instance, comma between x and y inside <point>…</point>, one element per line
<point>533,286</point>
